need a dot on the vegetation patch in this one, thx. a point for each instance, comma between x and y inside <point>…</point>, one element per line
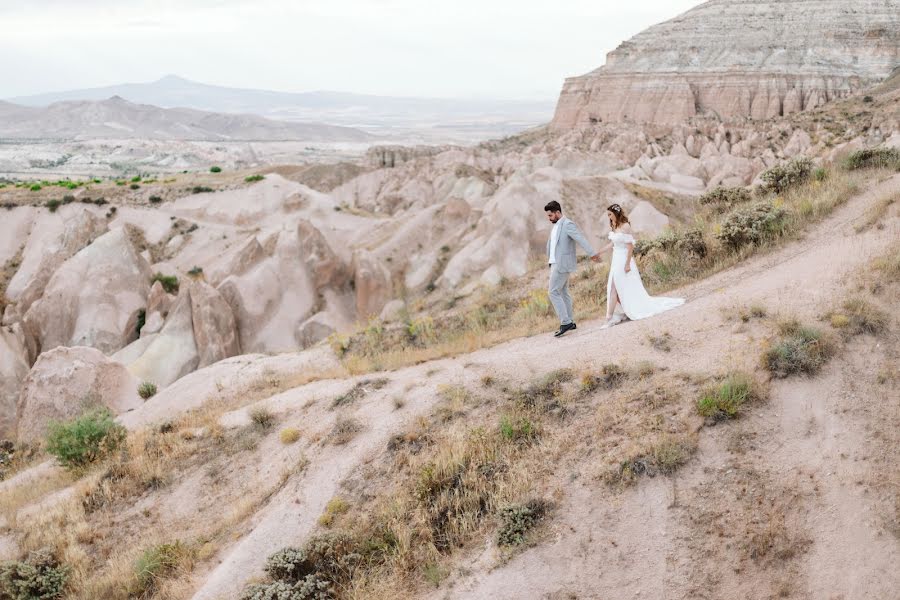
<point>784,176</point>
<point>610,377</point>
<point>84,440</point>
<point>169,282</point>
<point>39,577</point>
<point>798,350</point>
<point>262,418</point>
<point>518,519</point>
<point>156,564</point>
<point>344,430</point>
<point>752,225</point>
<point>664,456</point>
<point>254,178</point>
<point>725,198</point>
<point>860,317</point>
<point>725,399</point>
<point>874,158</point>
<point>358,391</point>
<point>147,390</point>
<point>289,435</point>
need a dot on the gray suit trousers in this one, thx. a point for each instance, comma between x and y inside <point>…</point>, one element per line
<point>559,295</point>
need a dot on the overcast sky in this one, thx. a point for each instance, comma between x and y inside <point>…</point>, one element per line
<point>457,48</point>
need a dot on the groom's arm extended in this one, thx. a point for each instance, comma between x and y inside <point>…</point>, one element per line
<point>573,232</point>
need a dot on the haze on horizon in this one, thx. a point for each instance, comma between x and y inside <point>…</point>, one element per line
<point>495,48</point>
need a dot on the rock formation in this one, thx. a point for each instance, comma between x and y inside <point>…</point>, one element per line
<point>64,382</point>
<point>739,58</point>
<point>94,298</point>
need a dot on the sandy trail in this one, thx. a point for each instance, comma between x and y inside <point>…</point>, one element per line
<point>605,548</point>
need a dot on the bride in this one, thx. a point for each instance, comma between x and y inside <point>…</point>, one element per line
<point>625,293</point>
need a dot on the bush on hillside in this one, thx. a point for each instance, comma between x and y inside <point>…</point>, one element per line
<point>517,520</point>
<point>688,243</point>
<point>723,198</point>
<point>38,577</point>
<point>786,175</point>
<point>85,439</point>
<point>215,169</point>
<point>751,225</point>
<point>799,350</point>
<point>887,158</point>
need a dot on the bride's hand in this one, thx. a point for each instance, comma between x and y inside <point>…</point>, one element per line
<point>628,267</point>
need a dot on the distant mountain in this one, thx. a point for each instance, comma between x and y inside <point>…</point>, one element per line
<point>118,118</point>
<point>496,117</point>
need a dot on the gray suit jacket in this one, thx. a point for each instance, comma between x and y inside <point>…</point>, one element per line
<point>569,234</point>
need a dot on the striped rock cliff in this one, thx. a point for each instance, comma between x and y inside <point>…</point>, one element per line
<point>737,59</point>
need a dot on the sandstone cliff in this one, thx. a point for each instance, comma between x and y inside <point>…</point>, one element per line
<point>739,58</point>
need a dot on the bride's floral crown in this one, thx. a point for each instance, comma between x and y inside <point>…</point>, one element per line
<point>616,209</point>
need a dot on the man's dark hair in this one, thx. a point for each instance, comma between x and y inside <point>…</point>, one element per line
<point>553,206</point>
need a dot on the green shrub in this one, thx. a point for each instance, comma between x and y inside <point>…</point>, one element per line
<point>201,189</point>
<point>155,564</point>
<point>723,198</point>
<point>517,430</point>
<point>311,587</point>
<point>751,225</point>
<point>517,520</point>
<point>799,350</point>
<point>169,282</point>
<point>688,243</point>
<point>254,178</point>
<point>35,188</point>
<point>141,321</point>
<point>786,175</point>
<point>135,186</point>
<point>215,169</point>
<point>147,390</point>
<point>53,204</point>
<point>83,440</point>
<point>819,174</point>
<point>724,400</point>
<point>38,577</point>
<point>155,199</point>
<point>888,158</point>
<point>136,179</point>
<point>196,271</point>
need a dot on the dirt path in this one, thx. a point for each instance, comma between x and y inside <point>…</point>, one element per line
<point>639,544</point>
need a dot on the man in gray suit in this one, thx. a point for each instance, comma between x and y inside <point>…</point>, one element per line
<point>561,256</point>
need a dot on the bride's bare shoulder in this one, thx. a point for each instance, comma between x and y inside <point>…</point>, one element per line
<point>625,228</point>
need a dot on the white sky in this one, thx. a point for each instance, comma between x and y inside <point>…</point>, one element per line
<point>456,48</point>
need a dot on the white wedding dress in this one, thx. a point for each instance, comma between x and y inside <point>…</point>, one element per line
<point>634,301</point>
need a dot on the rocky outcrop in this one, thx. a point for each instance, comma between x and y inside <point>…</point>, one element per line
<point>13,370</point>
<point>94,298</point>
<point>215,330</point>
<point>172,353</point>
<point>65,382</point>
<point>52,241</point>
<point>739,58</point>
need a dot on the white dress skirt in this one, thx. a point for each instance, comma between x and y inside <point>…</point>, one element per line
<point>634,300</point>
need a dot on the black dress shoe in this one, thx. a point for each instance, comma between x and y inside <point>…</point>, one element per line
<point>563,329</point>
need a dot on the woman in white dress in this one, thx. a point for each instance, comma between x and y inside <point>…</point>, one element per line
<point>625,293</point>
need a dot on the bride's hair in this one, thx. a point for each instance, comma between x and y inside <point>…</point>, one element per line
<point>621,218</point>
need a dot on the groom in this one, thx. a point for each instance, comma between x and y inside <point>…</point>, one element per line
<point>561,256</point>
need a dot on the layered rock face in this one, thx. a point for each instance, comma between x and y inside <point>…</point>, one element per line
<point>739,58</point>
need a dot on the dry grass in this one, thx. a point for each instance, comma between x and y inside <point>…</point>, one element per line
<point>798,349</point>
<point>876,213</point>
<point>858,316</point>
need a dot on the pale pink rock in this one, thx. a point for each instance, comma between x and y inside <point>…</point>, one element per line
<point>215,330</point>
<point>13,370</point>
<point>94,298</point>
<point>172,353</point>
<point>65,382</point>
<point>52,241</point>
